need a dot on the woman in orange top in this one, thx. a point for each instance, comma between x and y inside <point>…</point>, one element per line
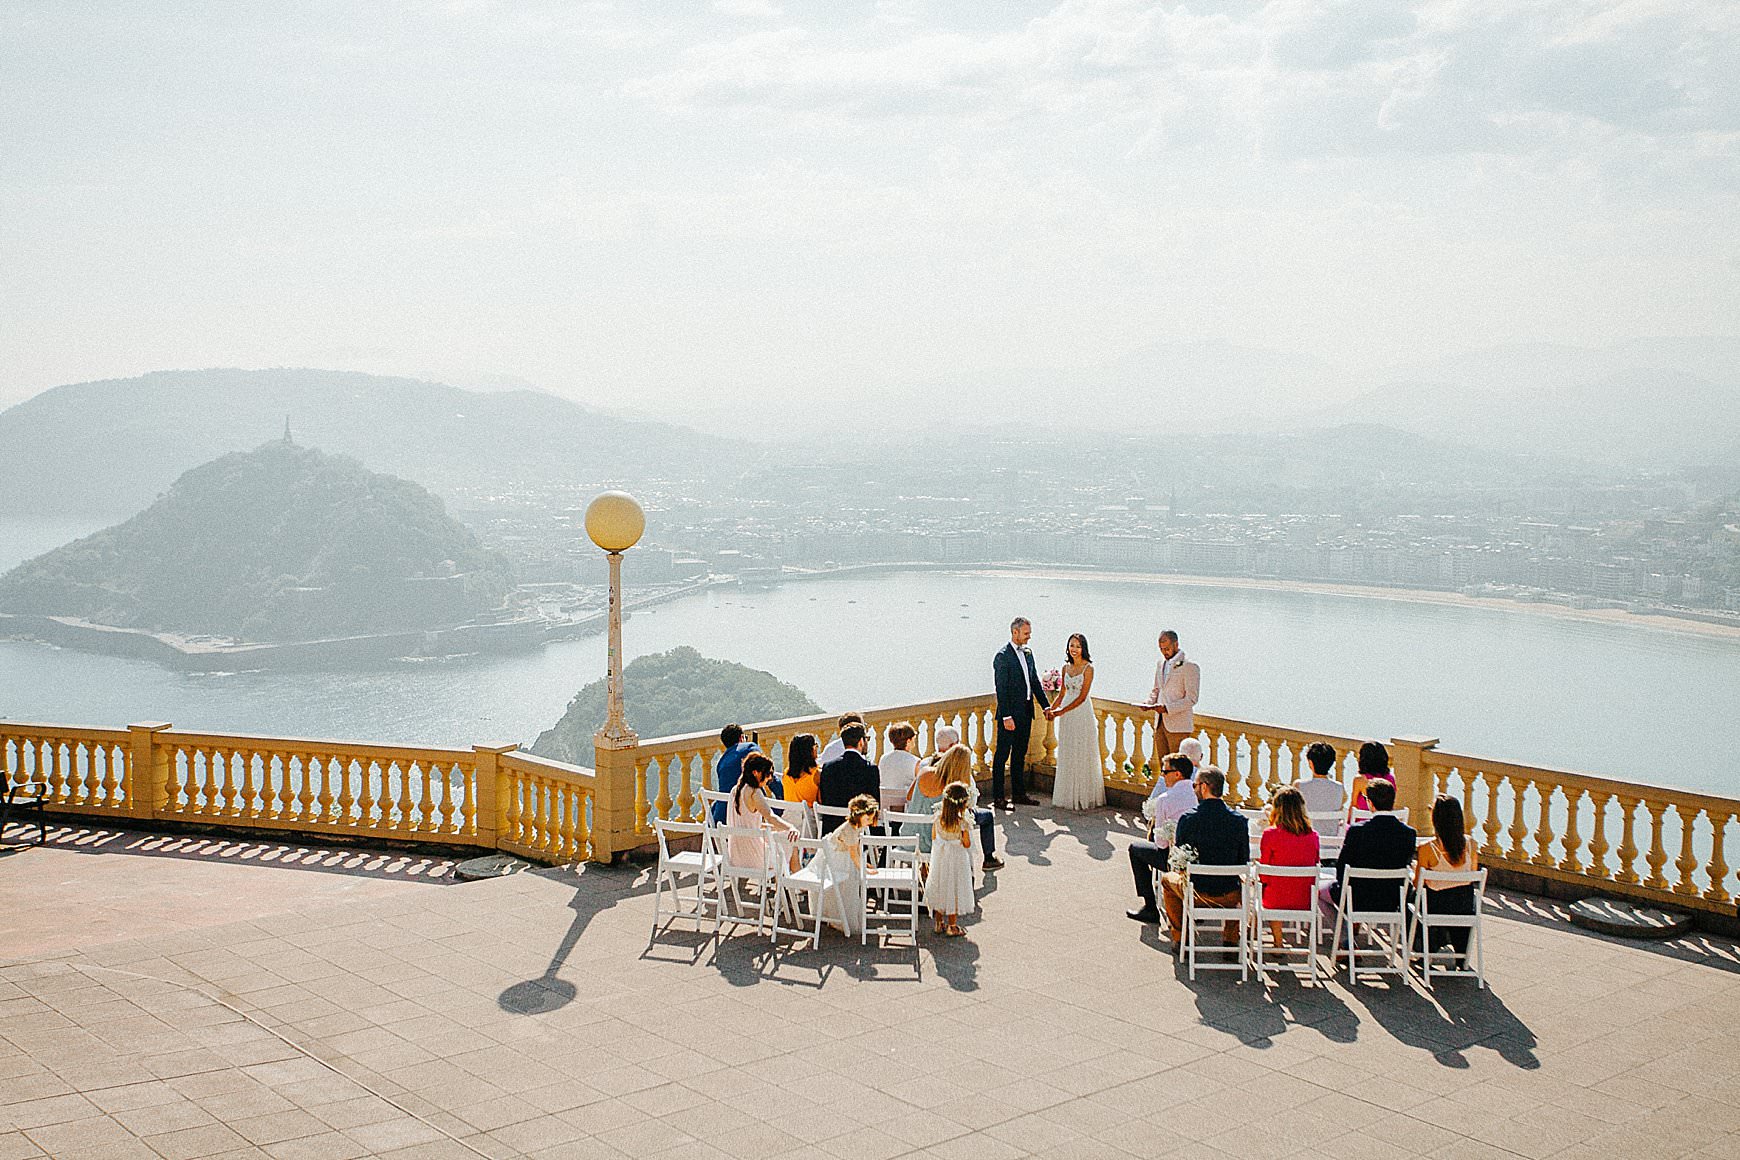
<point>803,775</point>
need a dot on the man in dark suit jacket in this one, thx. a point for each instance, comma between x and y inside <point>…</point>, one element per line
<point>848,775</point>
<point>1017,686</point>
<point>1221,837</point>
<point>1384,842</point>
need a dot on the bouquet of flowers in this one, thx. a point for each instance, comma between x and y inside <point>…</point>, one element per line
<point>1181,858</point>
<point>1052,682</point>
<point>1164,835</point>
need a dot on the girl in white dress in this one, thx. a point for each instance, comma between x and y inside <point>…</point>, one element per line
<point>844,864</point>
<point>948,888</point>
<point>1080,782</point>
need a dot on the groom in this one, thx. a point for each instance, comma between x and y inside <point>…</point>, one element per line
<point>1017,685</point>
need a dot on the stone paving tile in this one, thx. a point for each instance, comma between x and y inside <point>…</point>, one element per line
<point>435,1022</point>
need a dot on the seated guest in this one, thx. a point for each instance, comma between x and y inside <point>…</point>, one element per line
<point>1384,842</point>
<point>1190,747</point>
<point>1451,851</point>
<point>749,810</point>
<point>899,766</point>
<point>730,764</point>
<point>849,775</point>
<point>1289,841</point>
<point>1221,837</point>
<point>935,775</point>
<point>1175,797</point>
<point>1374,765</point>
<point>837,746</point>
<point>1324,794</point>
<point>802,770</point>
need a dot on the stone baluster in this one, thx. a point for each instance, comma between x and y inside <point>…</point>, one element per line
<point>1628,844</point>
<point>1717,890</point>
<point>582,826</point>
<point>1657,852</point>
<point>230,797</point>
<point>565,822</point>
<point>1598,846</point>
<point>1274,777</point>
<point>406,807</point>
<point>1492,821</point>
<point>681,762</point>
<point>513,828</point>
<point>286,788</point>
<point>1573,842</point>
<point>1544,832</point>
<point>1120,753</point>
<point>1140,755</point>
<point>1687,863</point>
<point>1519,830</point>
<point>686,791</point>
<point>641,804</point>
<point>57,769</point>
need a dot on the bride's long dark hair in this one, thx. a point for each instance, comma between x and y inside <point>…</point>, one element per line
<point>1086,657</point>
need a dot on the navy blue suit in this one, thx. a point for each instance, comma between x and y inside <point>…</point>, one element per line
<point>1013,702</point>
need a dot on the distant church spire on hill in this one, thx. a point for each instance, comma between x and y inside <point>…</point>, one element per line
<point>288,442</point>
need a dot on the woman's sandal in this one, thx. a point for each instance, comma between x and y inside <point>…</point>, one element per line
<point>955,931</point>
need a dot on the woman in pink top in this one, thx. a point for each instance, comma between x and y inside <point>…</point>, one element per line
<point>749,810</point>
<point>1289,841</point>
<point>1374,761</point>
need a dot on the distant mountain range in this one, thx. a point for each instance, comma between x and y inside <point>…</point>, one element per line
<point>1666,401</point>
<point>111,447</point>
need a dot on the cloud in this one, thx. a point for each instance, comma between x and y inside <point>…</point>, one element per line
<point>748,9</point>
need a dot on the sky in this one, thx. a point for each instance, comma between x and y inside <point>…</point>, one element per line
<point>752,211</point>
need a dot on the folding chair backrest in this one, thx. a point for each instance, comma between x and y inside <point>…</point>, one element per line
<point>1474,878</point>
<point>1355,874</point>
<point>1367,815</point>
<point>711,798</point>
<point>1327,823</point>
<point>665,828</point>
<point>823,813</point>
<point>1198,870</point>
<point>905,842</point>
<point>722,836</point>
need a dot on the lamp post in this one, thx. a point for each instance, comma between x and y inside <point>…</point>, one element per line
<point>615,522</point>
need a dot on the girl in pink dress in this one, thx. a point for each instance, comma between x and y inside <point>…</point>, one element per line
<point>1289,841</point>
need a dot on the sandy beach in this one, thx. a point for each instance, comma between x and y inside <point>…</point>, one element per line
<point>1657,623</point>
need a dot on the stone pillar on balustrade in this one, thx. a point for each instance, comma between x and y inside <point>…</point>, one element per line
<point>492,792</point>
<point>147,770</point>
<point>1414,782</point>
<point>613,817</point>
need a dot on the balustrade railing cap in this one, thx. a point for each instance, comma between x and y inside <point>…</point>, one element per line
<point>495,748</point>
<point>1422,742</point>
<point>154,726</point>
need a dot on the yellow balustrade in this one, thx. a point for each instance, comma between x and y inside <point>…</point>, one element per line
<point>1553,824</point>
<point>1580,829</point>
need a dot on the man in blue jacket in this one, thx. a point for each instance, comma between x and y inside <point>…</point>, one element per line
<point>1220,837</point>
<point>730,765</point>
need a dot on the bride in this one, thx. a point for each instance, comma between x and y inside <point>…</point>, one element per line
<point>1080,780</point>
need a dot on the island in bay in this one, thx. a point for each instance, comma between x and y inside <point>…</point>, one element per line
<point>281,554</point>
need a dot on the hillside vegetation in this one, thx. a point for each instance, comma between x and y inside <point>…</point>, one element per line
<point>679,691</point>
<point>280,543</point>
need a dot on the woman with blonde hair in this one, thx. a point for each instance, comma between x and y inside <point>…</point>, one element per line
<point>953,766</point>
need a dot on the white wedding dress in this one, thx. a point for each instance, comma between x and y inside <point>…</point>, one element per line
<point>1080,783</point>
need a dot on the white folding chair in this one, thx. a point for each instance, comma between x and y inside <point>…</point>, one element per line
<point>824,814</point>
<point>1422,920</point>
<point>701,865</point>
<point>710,798</point>
<point>1392,921</point>
<point>1354,817</point>
<point>796,814</point>
<point>1197,912</point>
<point>1308,919</point>
<point>814,881</point>
<point>734,875</point>
<point>1329,825</point>
<point>914,824</point>
<point>896,872</point>
<point>1256,821</point>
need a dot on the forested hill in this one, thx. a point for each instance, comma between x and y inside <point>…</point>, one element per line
<point>280,543</point>
<point>679,691</point>
<point>108,448</point>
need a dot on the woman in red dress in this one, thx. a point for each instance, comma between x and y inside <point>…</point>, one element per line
<point>1289,841</point>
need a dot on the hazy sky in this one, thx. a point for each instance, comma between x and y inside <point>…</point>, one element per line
<point>753,202</point>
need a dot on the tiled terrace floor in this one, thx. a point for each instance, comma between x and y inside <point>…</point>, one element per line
<point>529,1016</point>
